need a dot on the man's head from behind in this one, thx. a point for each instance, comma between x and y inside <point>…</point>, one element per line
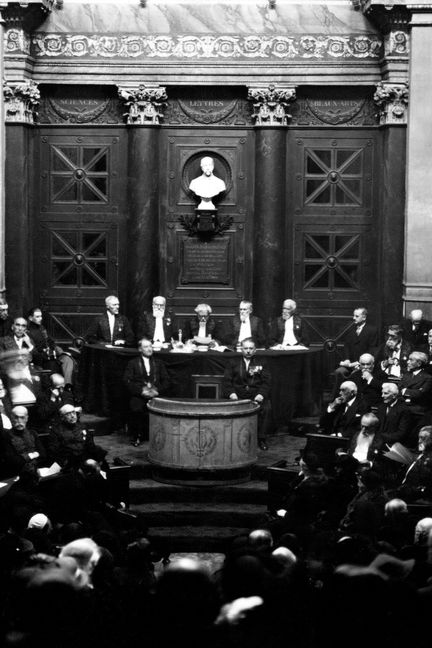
<point>19,417</point>
<point>112,304</point>
<point>57,381</point>
<point>416,315</point>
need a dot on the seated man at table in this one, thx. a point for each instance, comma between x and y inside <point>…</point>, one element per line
<point>111,328</point>
<point>156,326</point>
<point>202,329</point>
<point>245,325</point>
<point>249,378</point>
<point>144,378</point>
<point>25,441</point>
<point>287,330</point>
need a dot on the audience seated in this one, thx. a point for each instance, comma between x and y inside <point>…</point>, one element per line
<point>415,330</point>
<point>288,329</point>
<point>245,378</point>
<point>156,326</point>
<point>144,378</point>
<point>392,356</point>
<point>365,513</point>
<point>47,353</point>
<point>111,328</point>
<point>343,414</point>
<point>244,325</point>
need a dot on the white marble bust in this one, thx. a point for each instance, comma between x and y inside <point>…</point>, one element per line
<point>207,185</point>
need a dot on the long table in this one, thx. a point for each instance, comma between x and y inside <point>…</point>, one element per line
<point>296,378</point>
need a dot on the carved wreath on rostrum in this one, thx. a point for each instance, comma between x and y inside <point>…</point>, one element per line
<point>191,223</point>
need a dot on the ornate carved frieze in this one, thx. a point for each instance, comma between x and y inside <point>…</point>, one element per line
<point>392,101</point>
<point>16,41</point>
<point>396,44</point>
<point>235,112</point>
<point>334,111</point>
<point>144,104</point>
<point>270,105</point>
<point>319,47</point>
<point>21,101</point>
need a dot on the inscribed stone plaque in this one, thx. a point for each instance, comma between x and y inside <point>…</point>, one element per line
<point>205,261</point>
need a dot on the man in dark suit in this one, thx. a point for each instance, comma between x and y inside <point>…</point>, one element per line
<point>18,337</point>
<point>144,377</point>
<point>343,414</point>
<point>392,356</point>
<point>395,418</point>
<point>157,326</point>
<point>368,380</point>
<point>416,386</point>
<point>50,401</point>
<point>111,328</point>
<point>247,378</point>
<point>417,482</point>
<point>245,325</point>
<point>415,330</point>
<point>288,330</point>
<point>5,319</point>
<point>360,338</point>
<point>47,353</point>
<point>428,352</point>
<point>202,326</point>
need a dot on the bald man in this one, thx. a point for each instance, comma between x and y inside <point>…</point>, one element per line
<point>288,329</point>
<point>369,380</point>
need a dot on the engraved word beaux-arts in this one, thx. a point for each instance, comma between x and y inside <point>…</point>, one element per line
<point>313,46</point>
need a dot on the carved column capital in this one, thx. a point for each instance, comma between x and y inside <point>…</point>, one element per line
<point>270,104</point>
<point>144,103</point>
<point>21,101</point>
<point>392,101</point>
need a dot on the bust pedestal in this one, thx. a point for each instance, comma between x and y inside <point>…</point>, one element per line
<point>205,220</point>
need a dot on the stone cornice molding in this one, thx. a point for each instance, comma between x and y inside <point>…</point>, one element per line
<point>270,104</point>
<point>392,101</point>
<point>27,14</point>
<point>21,101</point>
<point>308,47</point>
<point>145,104</point>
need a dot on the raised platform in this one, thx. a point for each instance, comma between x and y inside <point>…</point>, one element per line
<point>191,518</point>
